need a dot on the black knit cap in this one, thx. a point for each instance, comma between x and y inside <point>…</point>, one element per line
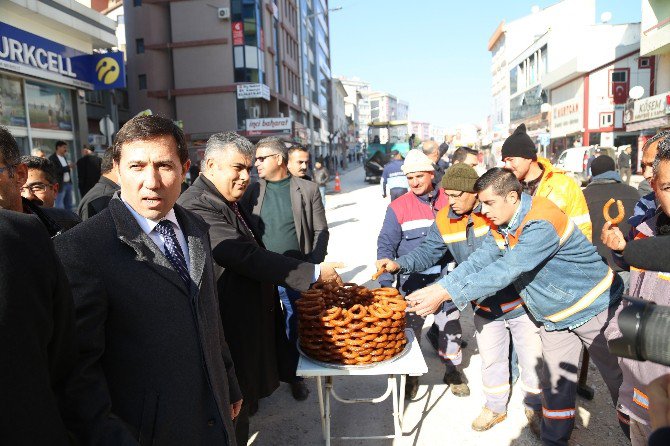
<point>519,144</point>
<point>602,164</point>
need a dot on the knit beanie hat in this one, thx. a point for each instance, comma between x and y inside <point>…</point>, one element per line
<point>417,161</point>
<point>461,177</point>
<point>519,144</point>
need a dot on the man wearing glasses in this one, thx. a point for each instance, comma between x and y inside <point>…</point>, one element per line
<point>460,230</point>
<point>13,178</point>
<point>41,183</point>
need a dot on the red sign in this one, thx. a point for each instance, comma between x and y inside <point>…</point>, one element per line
<point>238,33</point>
<point>620,92</point>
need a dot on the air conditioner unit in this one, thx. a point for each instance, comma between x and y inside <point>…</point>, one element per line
<point>255,112</point>
<point>223,13</point>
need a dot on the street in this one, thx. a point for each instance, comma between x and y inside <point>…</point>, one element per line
<point>436,416</point>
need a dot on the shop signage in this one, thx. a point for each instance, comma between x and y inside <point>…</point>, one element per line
<point>264,126</point>
<point>253,91</point>
<point>30,54</point>
<point>566,118</point>
<point>648,108</point>
<point>238,33</point>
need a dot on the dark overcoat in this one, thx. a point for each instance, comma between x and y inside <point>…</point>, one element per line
<point>247,274</point>
<point>37,348</point>
<point>154,366</point>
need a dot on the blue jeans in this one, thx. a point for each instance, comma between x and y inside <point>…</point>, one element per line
<point>64,198</point>
<point>322,189</point>
<point>288,298</point>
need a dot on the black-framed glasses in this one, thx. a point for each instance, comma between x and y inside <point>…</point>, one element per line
<point>35,187</point>
<point>455,196</point>
<point>260,159</point>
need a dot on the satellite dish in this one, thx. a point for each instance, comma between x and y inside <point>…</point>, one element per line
<point>605,17</point>
<point>636,92</point>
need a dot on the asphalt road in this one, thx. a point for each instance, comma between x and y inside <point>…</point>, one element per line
<point>435,417</point>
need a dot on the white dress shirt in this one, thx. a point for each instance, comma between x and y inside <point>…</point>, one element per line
<point>148,226</point>
<point>63,162</point>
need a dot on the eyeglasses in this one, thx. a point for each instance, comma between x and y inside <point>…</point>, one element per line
<point>35,187</point>
<point>455,196</point>
<point>260,159</point>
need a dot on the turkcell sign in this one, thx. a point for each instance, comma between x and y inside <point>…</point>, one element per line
<point>27,53</point>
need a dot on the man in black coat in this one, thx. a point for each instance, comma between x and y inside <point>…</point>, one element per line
<point>63,168</point>
<point>154,366</point>
<point>88,170</point>
<point>97,199</point>
<point>605,184</point>
<point>246,272</point>
<point>36,334</point>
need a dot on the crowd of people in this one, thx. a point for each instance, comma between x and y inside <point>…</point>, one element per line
<point>163,315</point>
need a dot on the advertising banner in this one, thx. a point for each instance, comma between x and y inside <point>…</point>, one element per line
<point>49,107</point>
<point>648,108</point>
<point>30,54</point>
<point>253,91</point>
<point>266,126</point>
<point>238,33</point>
<point>12,108</point>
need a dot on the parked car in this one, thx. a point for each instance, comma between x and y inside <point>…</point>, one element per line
<point>575,161</point>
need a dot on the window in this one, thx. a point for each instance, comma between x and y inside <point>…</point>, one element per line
<point>139,46</point>
<point>644,62</point>
<point>606,120</point>
<point>137,2</point>
<point>142,81</point>
<point>93,97</point>
<point>619,76</point>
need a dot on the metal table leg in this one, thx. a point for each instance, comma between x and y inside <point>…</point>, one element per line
<point>319,390</point>
<point>397,431</point>
<point>401,398</point>
<point>329,389</point>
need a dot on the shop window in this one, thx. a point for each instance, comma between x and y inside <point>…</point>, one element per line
<point>606,120</point>
<point>49,107</point>
<point>12,106</point>
<point>139,46</point>
<point>142,81</point>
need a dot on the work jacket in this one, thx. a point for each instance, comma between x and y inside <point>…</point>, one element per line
<point>557,271</point>
<point>393,177</point>
<point>461,235</point>
<point>564,193</point>
<point>405,226</point>
<point>653,286</point>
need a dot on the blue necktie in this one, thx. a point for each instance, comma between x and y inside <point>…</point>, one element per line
<point>173,251</point>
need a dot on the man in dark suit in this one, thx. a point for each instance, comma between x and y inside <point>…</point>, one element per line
<point>97,199</point>
<point>63,168</point>
<point>13,176</point>
<point>288,214</point>
<point>88,170</point>
<point>246,272</point>
<point>36,334</point>
<point>154,366</point>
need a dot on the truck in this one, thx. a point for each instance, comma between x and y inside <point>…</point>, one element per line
<point>383,138</point>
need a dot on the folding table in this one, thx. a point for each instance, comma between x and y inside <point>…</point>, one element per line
<point>410,363</point>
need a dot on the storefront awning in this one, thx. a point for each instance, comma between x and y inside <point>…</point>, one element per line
<point>649,124</point>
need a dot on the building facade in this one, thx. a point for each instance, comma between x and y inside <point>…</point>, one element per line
<point>357,105</point>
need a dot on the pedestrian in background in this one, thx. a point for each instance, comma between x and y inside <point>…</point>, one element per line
<point>321,178</point>
<point>624,165</point>
<point>88,170</point>
<point>154,366</point>
<point>298,161</point>
<point>606,184</point>
<point>97,199</point>
<point>63,168</point>
<point>394,181</point>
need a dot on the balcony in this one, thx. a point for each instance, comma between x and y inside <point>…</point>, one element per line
<point>655,36</point>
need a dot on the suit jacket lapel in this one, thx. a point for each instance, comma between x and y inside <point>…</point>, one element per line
<point>194,234</point>
<point>130,233</point>
<point>296,206</point>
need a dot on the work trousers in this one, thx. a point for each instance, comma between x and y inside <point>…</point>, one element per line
<point>449,333</point>
<point>561,350</point>
<point>493,342</point>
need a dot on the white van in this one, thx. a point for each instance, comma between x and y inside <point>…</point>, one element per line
<point>576,159</point>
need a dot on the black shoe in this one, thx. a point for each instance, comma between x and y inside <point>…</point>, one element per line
<point>411,387</point>
<point>432,335</point>
<point>299,390</point>
<point>455,380</point>
<point>253,408</point>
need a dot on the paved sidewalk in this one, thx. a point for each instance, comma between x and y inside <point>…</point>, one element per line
<point>436,416</point>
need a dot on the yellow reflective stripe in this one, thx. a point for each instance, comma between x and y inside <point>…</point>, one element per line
<point>533,390</point>
<point>558,414</point>
<point>497,389</point>
<point>586,300</point>
<point>581,219</point>
<point>640,399</point>
<point>509,306</point>
<point>500,243</point>
<point>482,230</point>
<point>448,356</point>
<point>455,237</point>
<point>664,276</point>
<point>567,232</point>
